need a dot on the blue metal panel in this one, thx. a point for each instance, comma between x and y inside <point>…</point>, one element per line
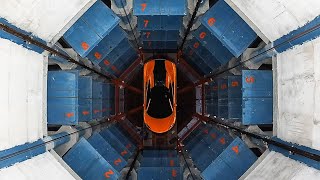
<point>85,110</point>
<point>210,42</point>
<point>222,98</point>
<point>234,97</point>
<point>63,84</point>
<point>257,97</point>
<point>107,152</point>
<point>238,157</point>
<point>257,111</point>
<point>127,142</point>
<point>204,53</point>
<point>96,89</point>
<point>92,27</point>
<point>85,86</point>
<point>159,173</point>
<point>229,28</point>
<point>159,162</point>
<point>152,22</point>
<point>96,108</point>
<point>257,83</point>
<point>163,7</point>
<point>116,144</point>
<point>107,45</point>
<point>195,61</point>
<point>22,153</point>
<point>156,35</point>
<point>218,170</point>
<point>88,163</point>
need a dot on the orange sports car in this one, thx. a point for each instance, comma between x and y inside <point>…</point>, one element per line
<point>159,95</point>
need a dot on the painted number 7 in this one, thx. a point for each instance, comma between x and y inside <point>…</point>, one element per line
<point>143,6</point>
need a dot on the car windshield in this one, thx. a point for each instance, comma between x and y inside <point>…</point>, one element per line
<point>159,102</point>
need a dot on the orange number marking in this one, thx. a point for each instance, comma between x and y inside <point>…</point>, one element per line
<point>106,62</point>
<point>123,153</point>
<point>84,46</point>
<point>250,80</point>
<point>203,35</point>
<point>117,162</point>
<point>143,6</point>
<point>107,174</point>
<point>174,173</point>
<point>234,83</point>
<point>146,22</point>
<point>97,55</point>
<point>213,136</point>
<point>196,45</point>
<point>69,115</point>
<point>235,149</point>
<point>222,141</point>
<point>148,34</point>
<point>171,162</point>
<point>211,21</point>
<point>85,113</point>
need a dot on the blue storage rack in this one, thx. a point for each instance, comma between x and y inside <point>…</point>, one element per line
<point>218,155</point>
<point>212,98</point>
<point>88,163</point>
<point>160,164</point>
<point>234,97</point>
<point>63,97</point>
<point>222,98</point>
<point>96,99</point>
<point>160,22</point>
<point>257,97</point>
<point>91,27</point>
<point>101,156</point>
<point>228,27</point>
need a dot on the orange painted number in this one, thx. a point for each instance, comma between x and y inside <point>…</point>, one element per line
<point>174,173</point>
<point>106,62</point>
<point>85,113</point>
<point>190,53</point>
<point>128,146</point>
<point>84,46</point>
<point>234,83</point>
<point>123,153</point>
<point>96,111</point>
<point>203,35</point>
<point>108,174</point>
<point>146,22</point>
<point>213,136</point>
<point>69,115</point>
<point>211,21</point>
<point>149,43</point>
<point>235,149</point>
<point>224,86</point>
<point>117,162</point>
<point>222,141</point>
<point>143,6</point>
<point>97,55</point>
<point>215,88</point>
<point>206,131</point>
<point>148,34</point>
<point>196,45</point>
<point>250,80</point>
<point>171,162</point>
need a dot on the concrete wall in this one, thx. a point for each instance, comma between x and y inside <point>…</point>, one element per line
<point>43,166</point>
<point>22,95</point>
<point>298,75</point>
<point>271,19</point>
<point>44,18</point>
<point>277,166</point>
